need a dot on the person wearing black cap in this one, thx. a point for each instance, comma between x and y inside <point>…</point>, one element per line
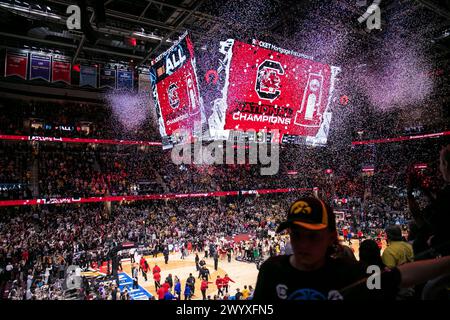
<point>313,273</point>
<point>398,251</point>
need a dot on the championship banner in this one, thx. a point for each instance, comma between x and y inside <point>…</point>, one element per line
<point>124,79</point>
<point>107,78</point>
<point>88,76</point>
<point>16,64</point>
<point>61,69</point>
<point>144,84</point>
<point>270,88</point>
<point>40,66</point>
<point>176,93</point>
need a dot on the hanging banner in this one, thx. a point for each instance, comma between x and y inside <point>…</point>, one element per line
<point>107,78</point>
<point>144,83</point>
<point>124,79</point>
<point>16,64</point>
<point>61,69</point>
<point>88,76</point>
<point>40,65</point>
<point>176,94</point>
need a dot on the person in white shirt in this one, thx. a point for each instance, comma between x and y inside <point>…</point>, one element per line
<point>9,267</point>
<point>47,274</point>
<point>137,256</point>
<point>132,252</point>
<point>29,281</point>
<point>28,295</point>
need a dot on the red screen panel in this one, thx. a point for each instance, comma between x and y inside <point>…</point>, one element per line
<point>267,90</point>
<point>175,90</point>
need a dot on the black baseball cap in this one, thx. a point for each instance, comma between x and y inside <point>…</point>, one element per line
<point>310,213</point>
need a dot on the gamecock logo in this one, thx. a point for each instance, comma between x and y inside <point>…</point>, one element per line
<point>172,92</point>
<point>268,80</point>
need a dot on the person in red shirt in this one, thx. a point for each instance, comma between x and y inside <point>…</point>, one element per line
<point>141,262</point>
<point>203,287</point>
<point>161,293</point>
<point>157,278</point>
<point>156,269</point>
<point>166,286</point>
<point>219,284</point>
<point>25,255</point>
<point>225,281</point>
<point>360,235</point>
<point>144,267</point>
<point>344,233</point>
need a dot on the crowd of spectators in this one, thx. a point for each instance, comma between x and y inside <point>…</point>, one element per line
<point>68,119</point>
<point>15,173</point>
<point>51,238</point>
<point>38,244</point>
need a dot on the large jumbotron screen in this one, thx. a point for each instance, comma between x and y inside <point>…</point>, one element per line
<point>267,88</point>
<point>175,92</point>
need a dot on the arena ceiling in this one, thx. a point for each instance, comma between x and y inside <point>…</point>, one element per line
<point>153,24</point>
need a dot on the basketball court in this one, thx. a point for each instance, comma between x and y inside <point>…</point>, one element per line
<point>243,273</point>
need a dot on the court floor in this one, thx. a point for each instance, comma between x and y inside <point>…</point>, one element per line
<point>241,272</point>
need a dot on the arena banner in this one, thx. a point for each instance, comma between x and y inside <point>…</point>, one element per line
<point>78,140</point>
<point>40,65</point>
<point>270,88</point>
<point>403,138</point>
<point>124,79</point>
<point>88,76</point>
<point>16,64</point>
<point>151,143</point>
<point>13,137</point>
<point>176,92</point>
<point>144,84</point>
<point>61,69</point>
<point>169,196</point>
<point>107,78</point>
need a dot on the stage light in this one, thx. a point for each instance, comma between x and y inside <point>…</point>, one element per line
<point>148,36</point>
<point>343,100</point>
<point>30,11</point>
<point>132,42</point>
<point>420,166</point>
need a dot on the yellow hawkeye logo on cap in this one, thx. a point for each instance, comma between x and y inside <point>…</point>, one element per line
<point>301,207</point>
